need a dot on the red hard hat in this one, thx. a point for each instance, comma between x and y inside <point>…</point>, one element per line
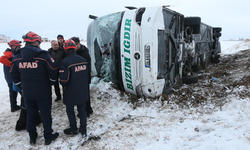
<point>15,42</point>
<point>69,44</point>
<point>32,37</point>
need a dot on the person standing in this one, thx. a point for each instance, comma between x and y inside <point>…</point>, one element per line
<point>60,40</point>
<point>57,53</point>
<point>6,60</point>
<point>73,74</point>
<point>33,71</point>
<point>84,52</point>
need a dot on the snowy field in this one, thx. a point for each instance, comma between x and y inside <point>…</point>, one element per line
<point>230,47</point>
<point>154,125</point>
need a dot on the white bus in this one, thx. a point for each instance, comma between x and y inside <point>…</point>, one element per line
<point>148,51</point>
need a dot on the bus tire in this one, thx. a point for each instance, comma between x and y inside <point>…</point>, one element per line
<point>217,29</point>
<point>190,79</point>
<point>216,61</point>
<point>192,21</point>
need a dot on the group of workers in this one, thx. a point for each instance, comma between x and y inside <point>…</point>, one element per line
<point>32,71</point>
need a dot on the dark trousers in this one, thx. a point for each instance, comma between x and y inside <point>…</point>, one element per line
<point>72,118</point>
<point>13,96</point>
<point>32,106</point>
<point>88,105</point>
<point>57,89</point>
<point>23,115</point>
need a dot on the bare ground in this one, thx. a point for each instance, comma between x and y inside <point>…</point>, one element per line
<point>215,83</point>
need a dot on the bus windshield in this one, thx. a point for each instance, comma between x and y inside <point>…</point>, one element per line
<point>102,37</point>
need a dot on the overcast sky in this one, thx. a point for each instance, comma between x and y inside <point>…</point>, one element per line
<point>48,18</point>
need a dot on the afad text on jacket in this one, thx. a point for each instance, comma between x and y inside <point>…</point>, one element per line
<point>35,70</point>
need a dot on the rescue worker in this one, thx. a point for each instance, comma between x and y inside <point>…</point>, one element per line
<point>73,74</point>
<point>57,53</point>
<point>21,122</point>
<point>60,40</point>
<point>84,52</point>
<point>33,71</point>
<point>6,60</point>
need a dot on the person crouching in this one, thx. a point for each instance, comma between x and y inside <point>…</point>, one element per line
<point>73,75</point>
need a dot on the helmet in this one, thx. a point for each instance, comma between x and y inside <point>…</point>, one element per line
<point>31,37</point>
<point>15,42</point>
<point>69,44</point>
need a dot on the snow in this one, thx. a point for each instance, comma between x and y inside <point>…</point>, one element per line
<point>152,125</point>
<point>230,47</point>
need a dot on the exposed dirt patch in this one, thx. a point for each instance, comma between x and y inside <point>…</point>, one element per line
<point>229,77</point>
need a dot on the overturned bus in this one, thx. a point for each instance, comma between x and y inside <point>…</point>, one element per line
<point>151,50</point>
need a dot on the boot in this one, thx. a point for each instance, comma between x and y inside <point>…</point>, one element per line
<point>16,108</point>
<point>70,131</point>
<point>21,122</point>
<point>52,138</point>
<point>83,132</point>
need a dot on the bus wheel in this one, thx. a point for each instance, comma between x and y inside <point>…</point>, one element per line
<point>190,79</point>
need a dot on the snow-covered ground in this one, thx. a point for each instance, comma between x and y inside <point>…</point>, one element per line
<point>230,47</point>
<point>153,125</point>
